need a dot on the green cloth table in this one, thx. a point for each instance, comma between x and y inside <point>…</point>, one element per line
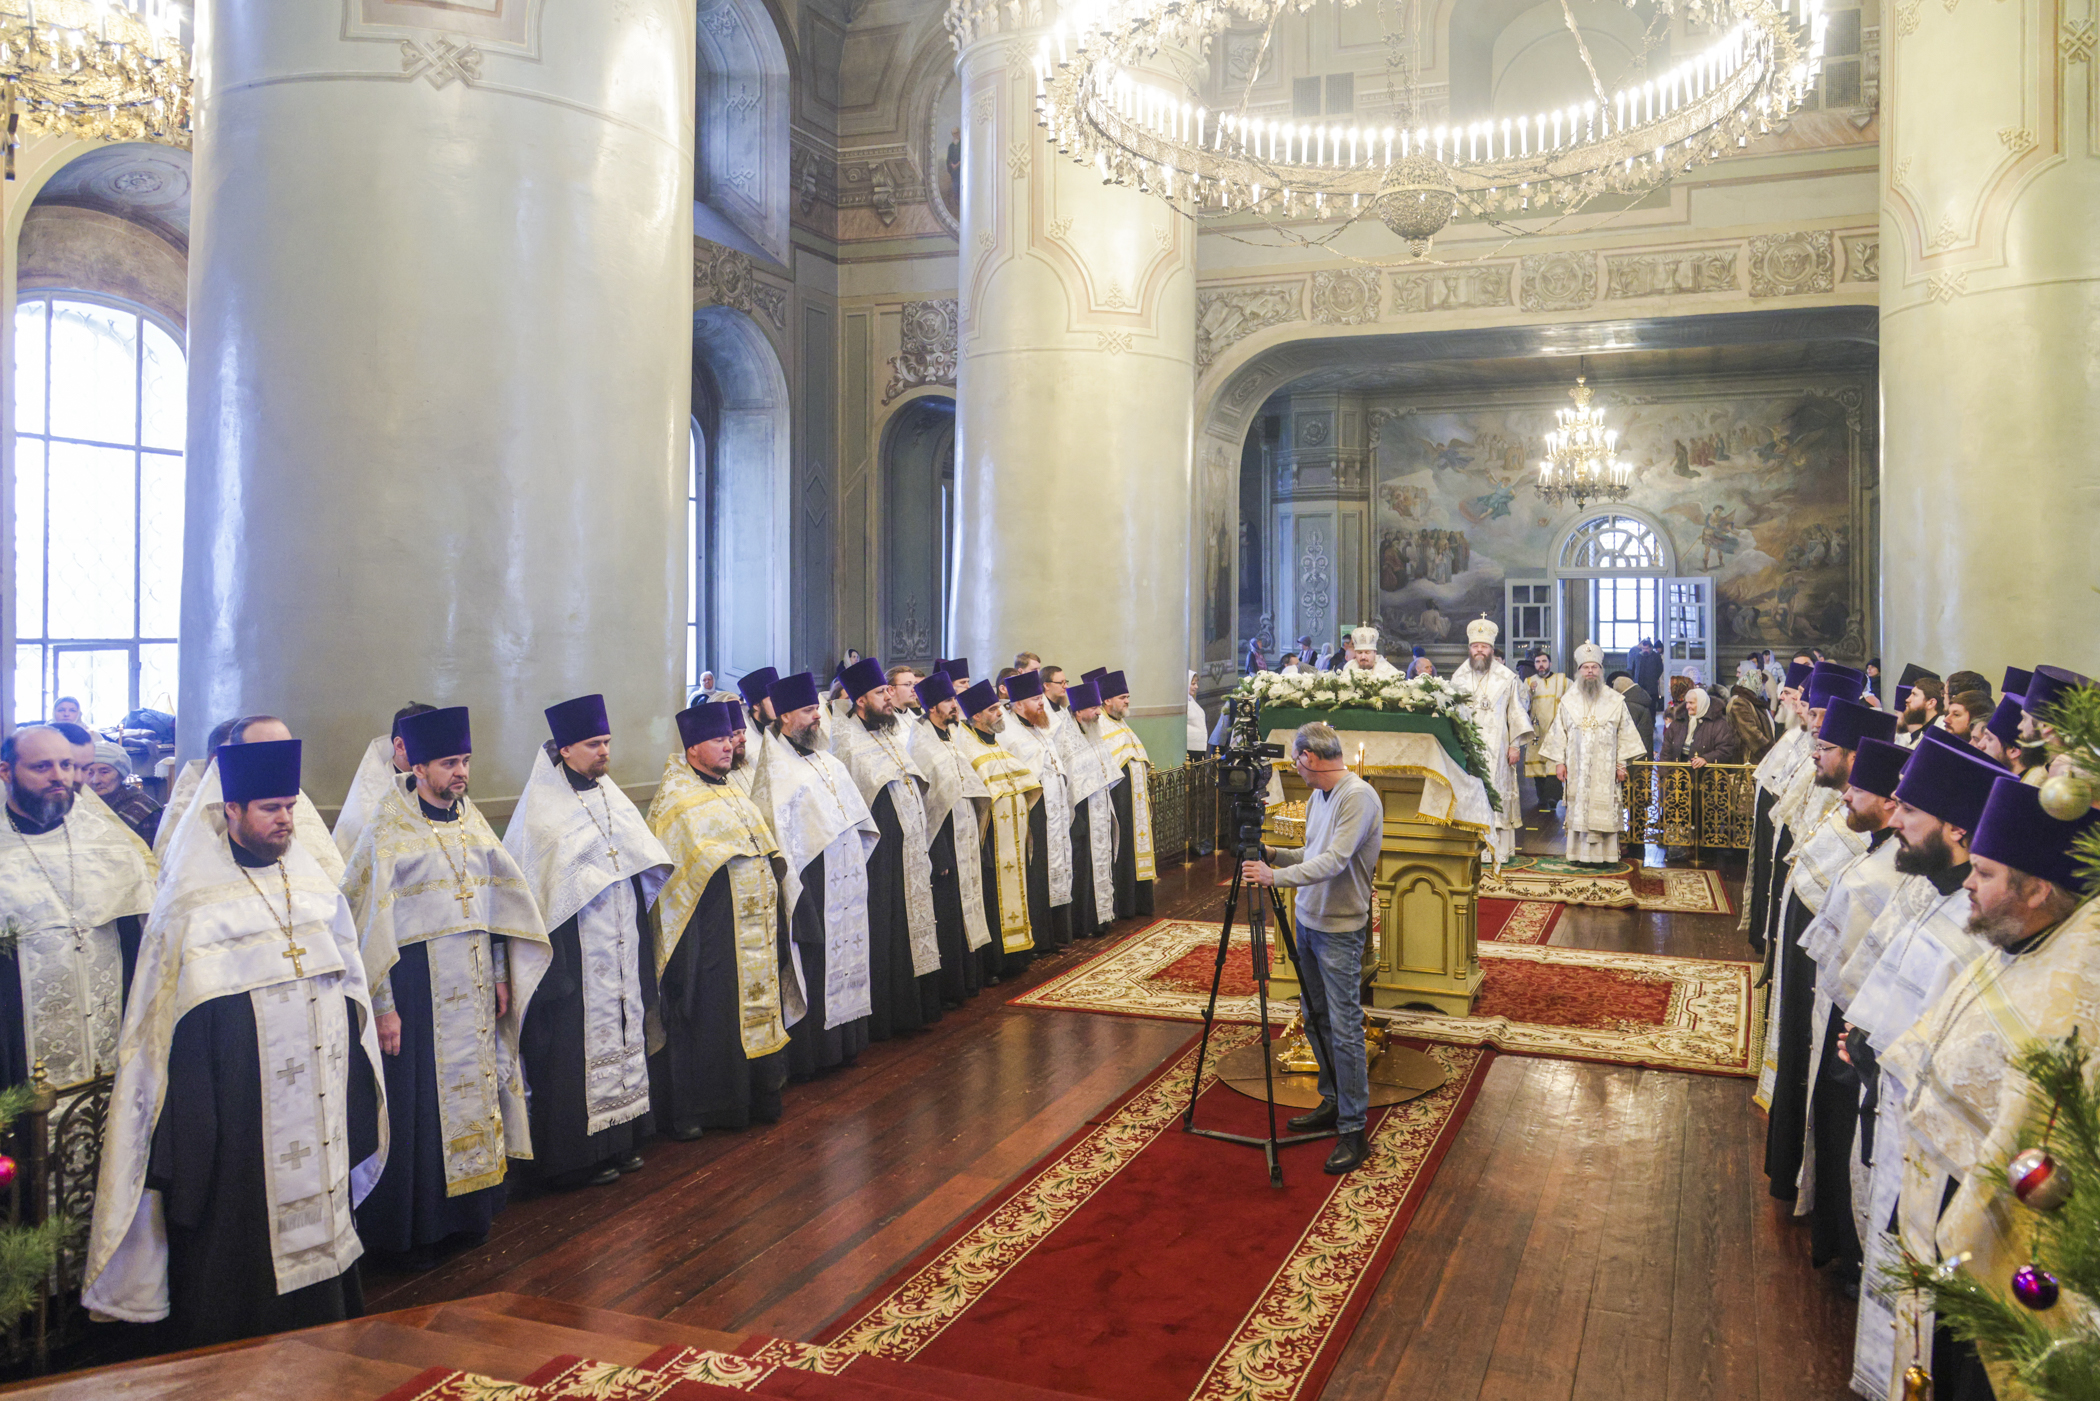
<point>1276,717</point>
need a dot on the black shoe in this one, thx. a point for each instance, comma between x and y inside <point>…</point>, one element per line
<point>1349,1153</point>
<point>1315,1120</point>
<point>686,1135</point>
<point>631,1163</point>
<point>605,1176</point>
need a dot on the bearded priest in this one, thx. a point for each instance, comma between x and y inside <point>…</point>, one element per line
<point>827,834</point>
<point>1090,780</point>
<point>245,1124</point>
<point>1132,795</point>
<point>455,947</point>
<point>595,869</point>
<point>726,980</point>
<point>1364,657</point>
<point>1592,738</point>
<point>384,764</point>
<point>74,882</point>
<point>958,806</point>
<point>904,954</point>
<point>1032,738</point>
<point>1014,791</point>
<point>1498,704</point>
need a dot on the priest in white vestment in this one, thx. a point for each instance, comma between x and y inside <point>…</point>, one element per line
<point>455,946</point>
<point>826,833</point>
<point>1499,706</point>
<point>203,804</point>
<point>595,869</point>
<point>74,884</point>
<point>384,763</point>
<point>1966,1108</point>
<point>904,954</point>
<point>958,811</point>
<point>1592,738</point>
<point>756,688</point>
<point>1132,794</point>
<point>1028,733</point>
<point>1014,791</point>
<point>1090,780</point>
<point>1543,688</point>
<point>246,1123</point>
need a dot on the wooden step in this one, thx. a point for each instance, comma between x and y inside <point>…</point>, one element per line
<point>536,1344</point>
<point>420,1348</point>
<point>272,1371</point>
<point>659,1332</point>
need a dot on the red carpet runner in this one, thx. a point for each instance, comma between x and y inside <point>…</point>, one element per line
<point>1145,1264</point>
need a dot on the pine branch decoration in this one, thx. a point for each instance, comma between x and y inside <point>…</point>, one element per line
<point>2075,719</point>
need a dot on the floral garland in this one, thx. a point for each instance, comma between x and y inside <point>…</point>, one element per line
<point>1353,688</point>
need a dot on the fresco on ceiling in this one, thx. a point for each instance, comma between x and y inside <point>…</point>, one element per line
<point>1754,489</point>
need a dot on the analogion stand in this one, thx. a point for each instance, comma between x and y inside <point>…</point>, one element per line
<point>1424,949</point>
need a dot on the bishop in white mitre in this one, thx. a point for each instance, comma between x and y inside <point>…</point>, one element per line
<point>454,946</point>
<point>74,882</point>
<point>246,1123</point>
<point>825,832</point>
<point>1592,738</point>
<point>595,869</point>
<point>904,953</point>
<point>1499,707</point>
<point>1364,657</point>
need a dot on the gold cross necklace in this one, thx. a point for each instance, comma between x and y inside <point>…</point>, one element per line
<point>291,942</point>
<point>458,868</point>
<point>68,897</point>
<point>612,853</point>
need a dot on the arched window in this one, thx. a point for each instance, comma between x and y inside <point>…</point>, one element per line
<point>1624,558</point>
<point>101,404</point>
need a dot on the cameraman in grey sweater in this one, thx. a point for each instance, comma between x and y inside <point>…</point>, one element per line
<point>1344,825</point>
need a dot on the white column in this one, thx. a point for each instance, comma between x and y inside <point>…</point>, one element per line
<point>1990,329</point>
<point>1074,404</point>
<point>440,365</point>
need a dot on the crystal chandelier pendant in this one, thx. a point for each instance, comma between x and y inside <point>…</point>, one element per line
<point>1582,463</point>
<point>98,70</point>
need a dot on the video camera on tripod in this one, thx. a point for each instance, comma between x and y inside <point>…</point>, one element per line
<point>1243,774</point>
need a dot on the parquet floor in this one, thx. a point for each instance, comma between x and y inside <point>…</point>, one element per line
<point>1595,1231</point>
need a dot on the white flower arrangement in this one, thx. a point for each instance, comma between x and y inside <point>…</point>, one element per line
<point>1353,688</point>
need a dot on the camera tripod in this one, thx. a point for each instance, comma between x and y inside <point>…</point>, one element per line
<point>1316,1028</point>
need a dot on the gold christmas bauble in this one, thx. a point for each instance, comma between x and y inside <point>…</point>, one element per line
<point>2066,796</point>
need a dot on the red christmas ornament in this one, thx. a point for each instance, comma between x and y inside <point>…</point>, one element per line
<point>2038,1180</point>
<point>2035,1287</point>
<point>7,1172</point>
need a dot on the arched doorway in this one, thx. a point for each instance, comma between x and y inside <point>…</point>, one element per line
<point>739,498</point>
<point>918,530</point>
<point>1614,574</point>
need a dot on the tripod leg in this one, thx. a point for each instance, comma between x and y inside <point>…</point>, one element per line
<point>1259,937</point>
<point>1315,1022</point>
<point>1210,1009</point>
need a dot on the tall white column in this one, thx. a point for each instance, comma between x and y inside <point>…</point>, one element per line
<point>1990,331</point>
<point>1074,403</point>
<point>440,370</point>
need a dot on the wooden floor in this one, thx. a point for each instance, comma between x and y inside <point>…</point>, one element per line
<point>1595,1231</point>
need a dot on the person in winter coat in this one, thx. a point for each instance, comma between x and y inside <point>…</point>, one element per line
<point>1752,720</point>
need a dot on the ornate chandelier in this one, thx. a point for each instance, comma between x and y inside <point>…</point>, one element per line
<point>102,70</point>
<point>1413,178</point>
<point>1582,463</point>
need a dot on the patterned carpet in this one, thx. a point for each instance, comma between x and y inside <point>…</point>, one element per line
<point>1578,1004</point>
<point>1622,885</point>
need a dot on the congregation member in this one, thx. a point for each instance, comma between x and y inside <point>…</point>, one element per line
<point>1013,792</point>
<point>75,884</point>
<point>1646,664</point>
<point>904,955</point>
<point>826,834</point>
<point>1966,1108</point>
<point>1543,689</point>
<point>383,765</point>
<point>721,957</point>
<point>1132,796</point>
<point>1696,736</point>
<point>1090,777</point>
<point>1749,712</point>
<point>958,814</point>
<point>1029,735</point>
<point>596,870</point>
<point>245,1125</point>
<point>1496,701</point>
<point>1640,707</point>
<point>1198,726</point>
<point>454,948</point>
<point>109,778</point>
<point>1589,745</point>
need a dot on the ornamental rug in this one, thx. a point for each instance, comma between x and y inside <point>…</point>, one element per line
<point>1639,1009</point>
<point>1621,885</point>
<point>1140,1263</point>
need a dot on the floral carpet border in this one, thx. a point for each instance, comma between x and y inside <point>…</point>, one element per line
<point>1709,1027</point>
<point>1285,1344</point>
<point>1685,890</point>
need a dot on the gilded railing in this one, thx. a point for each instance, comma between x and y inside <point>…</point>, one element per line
<point>1708,808</point>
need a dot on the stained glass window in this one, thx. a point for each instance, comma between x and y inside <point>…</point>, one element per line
<point>101,404</point>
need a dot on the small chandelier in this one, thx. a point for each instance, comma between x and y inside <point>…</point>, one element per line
<point>99,70</point>
<point>1582,463</point>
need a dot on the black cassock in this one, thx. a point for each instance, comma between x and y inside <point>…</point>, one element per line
<point>16,1064</point>
<point>1759,882</point>
<point>813,1047</point>
<point>1052,923</point>
<point>551,1046</point>
<point>1085,924</point>
<point>1787,1120</point>
<point>702,1079</point>
<point>1133,896</point>
<point>962,972</point>
<point>995,960</point>
<point>207,1164</point>
<point>902,1000</point>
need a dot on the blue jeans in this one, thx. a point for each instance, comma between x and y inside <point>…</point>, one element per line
<point>1330,974</point>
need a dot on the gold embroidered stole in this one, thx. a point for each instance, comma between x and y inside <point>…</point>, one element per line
<point>1128,754</point>
<point>1014,789</point>
<point>707,827</point>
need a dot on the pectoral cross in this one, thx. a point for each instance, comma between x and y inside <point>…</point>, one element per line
<point>295,953</point>
<point>465,896</point>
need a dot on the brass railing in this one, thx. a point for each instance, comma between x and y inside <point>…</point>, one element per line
<point>1184,811</point>
<point>1708,808</point>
